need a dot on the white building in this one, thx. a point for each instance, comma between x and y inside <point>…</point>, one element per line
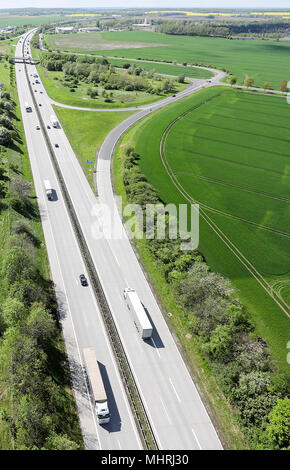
<point>65,29</point>
<point>89,29</point>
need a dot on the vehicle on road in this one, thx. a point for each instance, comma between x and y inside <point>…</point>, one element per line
<point>56,145</point>
<point>97,388</point>
<point>53,121</point>
<point>40,104</point>
<point>48,190</point>
<point>37,128</point>
<point>173,96</point>
<point>138,313</point>
<point>27,107</point>
<point>83,280</point>
<point>48,127</point>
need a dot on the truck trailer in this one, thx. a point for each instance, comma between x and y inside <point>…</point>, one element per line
<point>48,190</point>
<point>138,313</point>
<point>27,107</point>
<point>97,388</point>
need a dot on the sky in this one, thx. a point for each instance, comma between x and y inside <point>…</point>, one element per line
<point>145,3</point>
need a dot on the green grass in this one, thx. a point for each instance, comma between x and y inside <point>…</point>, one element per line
<point>86,131</point>
<point>120,99</point>
<point>263,60</point>
<point>215,142</point>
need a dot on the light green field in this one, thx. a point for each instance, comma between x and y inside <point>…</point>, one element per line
<point>263,60</point>
<point>230,152</point>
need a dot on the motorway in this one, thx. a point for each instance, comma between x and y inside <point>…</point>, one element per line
<point>176,412</point>
<point>80,316</point>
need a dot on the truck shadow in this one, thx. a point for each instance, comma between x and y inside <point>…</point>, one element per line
<point>54,196</point>
<point>157,341</point>
<point>115,422</point>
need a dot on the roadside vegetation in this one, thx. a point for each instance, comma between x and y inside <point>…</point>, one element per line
<point>94,82</point>
<point>215,329</point>
<point>262,60</point>
<point>37,406</point>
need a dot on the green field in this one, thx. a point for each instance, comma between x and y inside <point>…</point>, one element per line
<point>8,20</point>
<point>230,152</point>
<point>94,126</point>
<point>263,60</point>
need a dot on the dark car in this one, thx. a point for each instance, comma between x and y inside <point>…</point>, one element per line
<point>173,96</point>
<point>83,280</point>
<point>40,104</point>
<point>56,145</point>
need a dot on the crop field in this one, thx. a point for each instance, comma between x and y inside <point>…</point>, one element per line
<point>8,20</point>
<point>167,69</point>
<point>262,60</point>
<point>229,151</point>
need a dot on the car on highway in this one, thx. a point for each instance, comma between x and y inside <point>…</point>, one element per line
<point>83,280</point>
<point>56,145</point>
<point>35,91</point>
<point>173,96</point>
<point>48,127</point>
<point>40,104</point>
<point>37,128</point>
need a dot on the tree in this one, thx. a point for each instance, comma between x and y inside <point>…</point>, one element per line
<point>219,345</point>
<point>5,136</point>
<point>267,86</point>
<point>279,427</point>
<point>17,265</point>
<point>60,442</point>
<point>249,81</point>
<point>13,312</point>
<point>20,187</point>
<point>233,80</point>
<point>284,85</point>
<point>181,78</point>
<point>41,326</point>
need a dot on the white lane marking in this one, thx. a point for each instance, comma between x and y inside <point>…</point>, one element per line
<point>165,410</point>
<point>198,443</point>
<point>155,346</point>
<point>174,390</point>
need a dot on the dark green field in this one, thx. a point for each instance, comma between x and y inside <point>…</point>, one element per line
<point>230,151</point>
<point>263,60</point>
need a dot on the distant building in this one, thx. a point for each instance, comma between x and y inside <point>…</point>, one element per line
<point>145,25</point>
<point>7,29</point>
<point>65,29</point>
<point>88,29</point>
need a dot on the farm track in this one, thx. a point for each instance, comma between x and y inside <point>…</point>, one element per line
<point>275,295</point>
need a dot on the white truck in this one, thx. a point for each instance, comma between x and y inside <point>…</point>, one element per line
<point>138,313</point>
<point>97,386</point>
<point>53,121</point>
<point>48,190</point>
